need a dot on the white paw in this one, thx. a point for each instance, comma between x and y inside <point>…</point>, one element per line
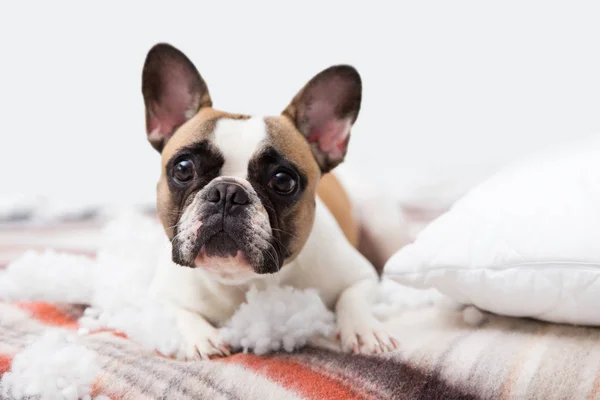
<point>203,348</point>
<point>200,339</point>
<point>369,337</point>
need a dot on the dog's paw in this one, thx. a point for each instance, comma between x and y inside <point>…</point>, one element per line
<point>200,339</point>
<point>203,347</point>
<point>367,338</point>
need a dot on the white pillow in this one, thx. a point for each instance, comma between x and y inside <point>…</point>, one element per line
<point>524,243</point>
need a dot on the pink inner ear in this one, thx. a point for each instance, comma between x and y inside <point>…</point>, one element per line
<point>332,138</point>
<point>175,106</point>
<point>161,126</point>
<point>331,133</point>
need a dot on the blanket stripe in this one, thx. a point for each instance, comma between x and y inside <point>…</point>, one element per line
<point>297,377</point>
<point>5,362</point>
<point>49,314</point>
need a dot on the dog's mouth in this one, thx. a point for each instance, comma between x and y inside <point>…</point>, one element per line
<point>221,244</point>
<point>231,243</point>
<point>220,254</point>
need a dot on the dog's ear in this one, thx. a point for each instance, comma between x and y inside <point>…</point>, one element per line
<point>324,112</point>
<point>173,92</point>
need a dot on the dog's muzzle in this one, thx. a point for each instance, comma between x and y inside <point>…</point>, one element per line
<point>226,220</point>
<point>227,206</point>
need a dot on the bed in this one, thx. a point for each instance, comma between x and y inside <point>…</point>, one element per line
<point>441,355</point>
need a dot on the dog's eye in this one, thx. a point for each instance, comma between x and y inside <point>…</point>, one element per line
<point>184,171</point>
<point>283,183</point>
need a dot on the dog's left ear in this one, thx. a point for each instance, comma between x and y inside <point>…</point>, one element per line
<point>173,92</point>
<point>325,110</point>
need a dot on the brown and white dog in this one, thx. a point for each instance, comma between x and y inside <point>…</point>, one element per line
<point>250,201</point>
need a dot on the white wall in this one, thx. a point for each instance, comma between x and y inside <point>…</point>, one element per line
<point>449,87</point>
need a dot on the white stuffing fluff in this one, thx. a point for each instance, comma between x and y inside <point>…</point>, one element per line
<point>127,258</point>
<point>53,367</point>
<point>117,286</point>
<point>278,318</point>
<point>35,277</point>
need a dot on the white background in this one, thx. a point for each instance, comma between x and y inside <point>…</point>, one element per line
<point>450,88</point>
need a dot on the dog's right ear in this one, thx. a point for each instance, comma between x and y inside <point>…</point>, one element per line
<point>173,92</point>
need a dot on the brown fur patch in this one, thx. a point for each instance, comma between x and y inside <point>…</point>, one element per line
<point>332,193</point>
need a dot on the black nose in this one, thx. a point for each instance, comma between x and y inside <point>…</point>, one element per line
<point>229,193</point>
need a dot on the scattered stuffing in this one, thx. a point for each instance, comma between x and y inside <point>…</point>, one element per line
<point>50,276</point>
<point>278,318</point>
<point>473,316</point>
<point>54,367</point>
<point>150,325</point>
<point>127,258</point>
<point>117,286</point>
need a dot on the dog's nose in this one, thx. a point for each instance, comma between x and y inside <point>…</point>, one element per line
<point>229,193</point>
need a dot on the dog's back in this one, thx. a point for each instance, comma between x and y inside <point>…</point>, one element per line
<point>335,197</point>
<point>373,225</point>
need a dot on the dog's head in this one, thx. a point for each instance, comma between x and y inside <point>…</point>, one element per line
<point>237,193</point>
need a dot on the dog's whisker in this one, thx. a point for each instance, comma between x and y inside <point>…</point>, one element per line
<point>274,256</point>
<point>285,232</point>
<point>171,227</point>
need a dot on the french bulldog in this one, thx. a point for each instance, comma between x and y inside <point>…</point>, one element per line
<point>250,201</point>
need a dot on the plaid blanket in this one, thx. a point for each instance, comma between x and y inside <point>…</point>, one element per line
<point>441,357</point>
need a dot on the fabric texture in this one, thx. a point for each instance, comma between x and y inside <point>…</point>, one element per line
<point>441,356</point>
<point>523,243</point>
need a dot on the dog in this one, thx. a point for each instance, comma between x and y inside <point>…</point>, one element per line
<point>249,201</point>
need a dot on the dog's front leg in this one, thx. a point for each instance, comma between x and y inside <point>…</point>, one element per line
<point>359,330</point>
<point>200,339</point>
